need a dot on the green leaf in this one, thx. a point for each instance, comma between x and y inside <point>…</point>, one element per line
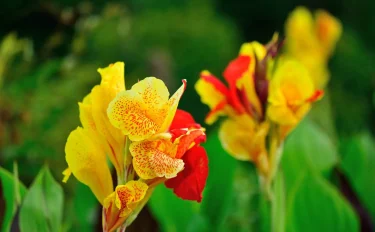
<point>85,207</point>
<point>13,192</point>
<point>358,165</point>
<point>173,213</point>
<point>218,191</point>
<point>317,206</point>
<point>308,147</point>
<point>243,211</point>
<point>43,205</point>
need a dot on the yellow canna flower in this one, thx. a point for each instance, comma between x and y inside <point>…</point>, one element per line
<point>147,139</point>
<point>311,40</point>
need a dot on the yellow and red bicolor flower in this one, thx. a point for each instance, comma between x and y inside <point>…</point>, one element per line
<point>159,132</point>
<point>263,102</point>
<point>145,137</point>
<point>311,40</point>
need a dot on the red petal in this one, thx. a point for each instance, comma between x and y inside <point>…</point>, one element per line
<point>183,119</point>
<point>190,182</point>
<point>236,69</point>
<point>219,86</point>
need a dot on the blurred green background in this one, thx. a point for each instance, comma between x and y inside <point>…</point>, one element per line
<point>49,55</point>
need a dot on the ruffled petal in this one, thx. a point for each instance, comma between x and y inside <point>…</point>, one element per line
<point>128,194</point>
<point>189,183</point>
<point>145,109</point>
<point>185,142</point>
<point>129,113</point>
<point>113,76</point>
<point>87,161</point>
<point>153,159</point>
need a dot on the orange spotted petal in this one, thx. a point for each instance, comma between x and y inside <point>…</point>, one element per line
<point>145,109</point>
<point>129,113</point>
<point>153,159</point>
<point>130,193</point>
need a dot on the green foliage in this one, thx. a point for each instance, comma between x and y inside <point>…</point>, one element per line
<point>358,165</point>
<point>13,191</point>
<point>42,208</point>
<point>316,205</point>
<point>215,205</point>
<point>308,147</point>
<point>174,214</point>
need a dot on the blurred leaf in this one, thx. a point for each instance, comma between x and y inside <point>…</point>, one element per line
<point>85,208</point>
<point>243,211</point>
<point>317,206</point>
<point>352,83</point>
<point>199,223</point>
<point>13,192</point>
<point>308,147</point>
<point>173,213</point>
<point>43,205</point>
<point>218,191</point>
<point>358,164</point>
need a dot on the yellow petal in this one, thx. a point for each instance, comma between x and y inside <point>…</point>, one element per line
<point>294,82</point>
<point>113,75</point>
<point>128,113</point>
<point>172,107</point>
<point>236,136</point>
<point>153,159</point>
<point>87,161</point>
<point>111,137</point>
<point>282,115</point>
<point>144,110</point>
<point>214,94</point>
<point>328,29</point>
<point>131,192</point>
<point>257,52</point>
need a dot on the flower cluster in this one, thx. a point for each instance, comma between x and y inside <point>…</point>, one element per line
<point>267,95</point>
<point>312,40</point>
<point>146,139</point>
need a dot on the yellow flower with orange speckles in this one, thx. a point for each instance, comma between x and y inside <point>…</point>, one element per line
<point>146,138</point>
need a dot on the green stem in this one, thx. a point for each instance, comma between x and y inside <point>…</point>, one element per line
<point>278,204</point>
